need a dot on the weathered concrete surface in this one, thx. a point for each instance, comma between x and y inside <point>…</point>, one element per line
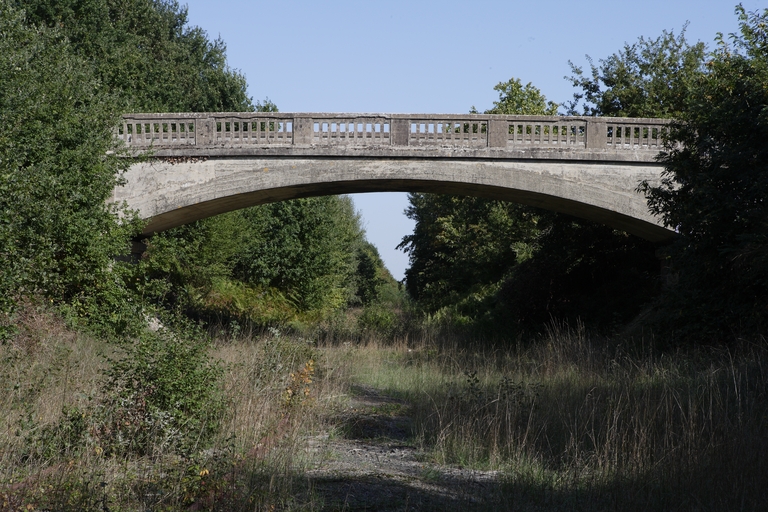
<point>188,184</point>
<point>210,163</point>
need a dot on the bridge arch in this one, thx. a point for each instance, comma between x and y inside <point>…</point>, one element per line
<point>192,179</point>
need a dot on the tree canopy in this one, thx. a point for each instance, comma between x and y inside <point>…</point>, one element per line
<point>146,50</point>
<point>58,166</point>
<point>715,188</point>
<point>648,78</point>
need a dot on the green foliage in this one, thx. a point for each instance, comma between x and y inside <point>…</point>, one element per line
<point>514,98</point>
<point>261,265</point>
<point>580,271</point>
<point>460,244</point>
<point>266,106</point>
<point>463,248</point>
<point>579,267</point>
<point>304,248</point>
<point>145,51</point>
<point>378,319</point>
<point>162,396</point>
<point>65,438</point>
<point>179,267</point>
<point>238,305</point>
<point>58,166</point>
<point>649,78</point>
<point>76,66</point>
<point>372,276</point>
<point>714,190</point>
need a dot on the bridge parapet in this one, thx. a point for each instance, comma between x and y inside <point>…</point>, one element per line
<point>252,129</point>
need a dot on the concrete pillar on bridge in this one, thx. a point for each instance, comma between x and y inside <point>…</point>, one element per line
<point>303,130</point>
<point>597,134</point>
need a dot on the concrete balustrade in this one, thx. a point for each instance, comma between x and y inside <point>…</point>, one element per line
<point>437,130</point>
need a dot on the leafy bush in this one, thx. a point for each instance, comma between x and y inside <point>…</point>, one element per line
<point>161,395</point>
<point>378,319</point>
<point>66,437</point>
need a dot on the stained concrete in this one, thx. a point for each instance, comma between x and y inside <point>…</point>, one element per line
<point>176,191</point>
<point>210,163</point>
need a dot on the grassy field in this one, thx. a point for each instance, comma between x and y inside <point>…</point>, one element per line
<point>568,422</point>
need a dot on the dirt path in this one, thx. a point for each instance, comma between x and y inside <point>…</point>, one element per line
<point>373,465</point>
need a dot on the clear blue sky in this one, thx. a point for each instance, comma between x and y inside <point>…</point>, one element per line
<point>425,56</point>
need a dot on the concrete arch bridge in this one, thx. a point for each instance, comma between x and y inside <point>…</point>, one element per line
<point>207,164</point>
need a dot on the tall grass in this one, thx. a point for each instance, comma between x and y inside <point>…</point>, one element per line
<point>569,421</point>
<point>570,415</point>
<point>52,453</point>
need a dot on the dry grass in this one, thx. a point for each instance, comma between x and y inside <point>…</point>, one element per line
<point>590,421</point>
<point>254,463</point>
<point>45,369</point>
<point>571,422</point>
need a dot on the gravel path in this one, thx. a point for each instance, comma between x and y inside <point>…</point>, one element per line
<point>374,466</point>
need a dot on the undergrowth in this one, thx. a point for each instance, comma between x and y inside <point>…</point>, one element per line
<point>568,421</point>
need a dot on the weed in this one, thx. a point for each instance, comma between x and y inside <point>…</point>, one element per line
<point>298,390</point>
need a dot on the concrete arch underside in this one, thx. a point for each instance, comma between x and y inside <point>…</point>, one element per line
<point>175,191</point>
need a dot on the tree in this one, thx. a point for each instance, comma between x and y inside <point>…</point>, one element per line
<point>580,270</point>
<point>75,67</point>
<point>649,78</point>
<point>514,98</point>
<point>563,256</point>
<point>305,248</point>
<point>464,246</point>
<point>715,190</point>
<point>372,275</point>
<point>145,51</point>
<point>59,163</point>
<point>579,266</point>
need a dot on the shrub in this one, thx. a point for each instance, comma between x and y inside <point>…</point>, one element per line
<point>162,395</point>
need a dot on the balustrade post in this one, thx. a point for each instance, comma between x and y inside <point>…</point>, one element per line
<point>204,128</point>
<point>498,130</point>
<point>400,128</point>
<point>597,134</point>
<point>303,130</point>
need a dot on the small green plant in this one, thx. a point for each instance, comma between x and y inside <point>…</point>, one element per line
<point>472,391</point>
<point>66,437</point>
